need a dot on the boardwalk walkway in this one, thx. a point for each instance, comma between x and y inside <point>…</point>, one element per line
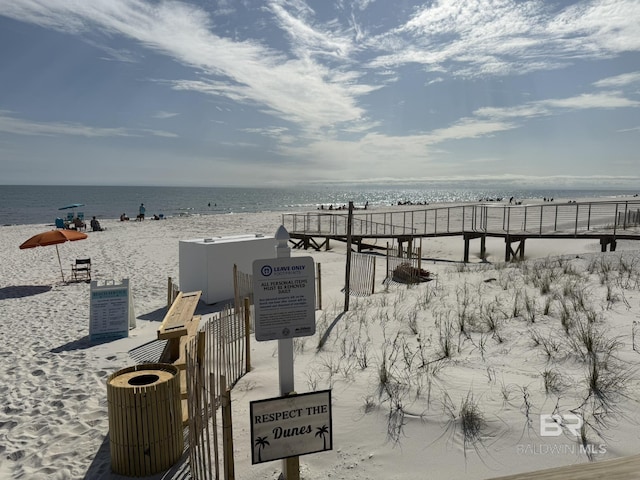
<point>607,221</point>
<point>625,468</point>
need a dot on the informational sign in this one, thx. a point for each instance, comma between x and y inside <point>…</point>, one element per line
<point>291,426</point>
<point>111,312</point>
<point>284,298</point>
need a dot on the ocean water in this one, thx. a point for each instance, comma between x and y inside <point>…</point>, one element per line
<point>32,204</point>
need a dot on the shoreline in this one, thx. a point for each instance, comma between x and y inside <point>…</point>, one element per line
<point>523,202</point>
<point>54,394</point>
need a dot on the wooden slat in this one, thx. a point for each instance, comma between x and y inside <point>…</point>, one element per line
<point>144,421</point>
<point>181,312</point>
<point>191,328</point>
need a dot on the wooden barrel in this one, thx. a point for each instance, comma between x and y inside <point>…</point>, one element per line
<point>145,419</point>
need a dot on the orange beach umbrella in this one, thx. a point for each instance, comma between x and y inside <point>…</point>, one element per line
<point>53,237</point>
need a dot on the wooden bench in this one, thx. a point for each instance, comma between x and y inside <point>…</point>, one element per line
<point>178,327</point>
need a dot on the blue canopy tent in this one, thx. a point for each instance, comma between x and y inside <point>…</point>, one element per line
<point>71,216</point>
<point>73,206</point>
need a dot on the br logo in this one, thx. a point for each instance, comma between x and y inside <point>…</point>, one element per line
<point>552,425</point>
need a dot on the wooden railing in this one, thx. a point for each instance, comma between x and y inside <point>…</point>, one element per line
<point>549,218</point>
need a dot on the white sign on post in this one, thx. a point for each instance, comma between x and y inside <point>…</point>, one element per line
<point>284,298</point>
<point>291,426</point>
<point>111,311</point>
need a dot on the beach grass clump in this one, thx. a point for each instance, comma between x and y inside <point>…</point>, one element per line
<point>472,420</point>
<point>541,274</point>
<point>468,421</point>
<point>516,305</point>
<point>510,278</point>
<point>552,380</point>
<point>592,344</point>
<point>548,303</point>
<point>412,321</point>
<point>550,344</point>
<point>426,296</point>
<point>492,317</point>
<point>530,308</point>
<point>605,385</point>
<point>387,383</point>
<point>462,306</point>
<point>362,353</point>
<point>566,316</point>
<point>445,336</point>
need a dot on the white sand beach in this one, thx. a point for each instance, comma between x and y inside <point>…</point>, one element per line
<point>472,358</point>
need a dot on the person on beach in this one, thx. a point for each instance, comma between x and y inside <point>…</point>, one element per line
<point>142,210</point>
<point>79,224</point>
<point>95,225</point>
<point>123,217</point>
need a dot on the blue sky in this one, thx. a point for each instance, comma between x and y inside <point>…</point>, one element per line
<point>288,92</point>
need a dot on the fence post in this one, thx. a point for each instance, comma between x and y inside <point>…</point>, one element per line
<point>320,285</point>
<point>373,277</point>
<point>247,335</point>
<point>348,266</point>
<point>227,429</point>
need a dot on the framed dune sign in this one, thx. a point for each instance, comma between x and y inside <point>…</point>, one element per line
<point>291,426</point>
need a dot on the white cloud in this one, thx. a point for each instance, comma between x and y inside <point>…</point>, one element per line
<point>595,100</point>
<point>470,38</point>
<point>619,80</point>
<point>328,81</point>
<point>162,115</point>
<point>11,124</point>
<point>297,89</point>
<point>308,40</point>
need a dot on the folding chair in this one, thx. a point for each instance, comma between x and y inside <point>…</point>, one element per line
<point>81,270</point>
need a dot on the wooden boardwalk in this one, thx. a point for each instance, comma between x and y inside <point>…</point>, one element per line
<point>607,221</point>
<point>624,468</point>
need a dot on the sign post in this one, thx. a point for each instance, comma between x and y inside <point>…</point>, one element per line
<point>284,303</point>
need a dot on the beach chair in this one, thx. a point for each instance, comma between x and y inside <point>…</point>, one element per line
<point>69,216</point>
<point>81,270</point>
<point>60,223</point>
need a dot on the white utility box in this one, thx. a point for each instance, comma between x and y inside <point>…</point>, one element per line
<point>207,263</point>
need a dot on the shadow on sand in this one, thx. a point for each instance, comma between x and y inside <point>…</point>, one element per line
<point>21,291</point>
<point>100,468</point>
<point>80,344</point>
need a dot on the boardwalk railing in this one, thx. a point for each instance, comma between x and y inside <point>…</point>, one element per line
<point>567,219</point>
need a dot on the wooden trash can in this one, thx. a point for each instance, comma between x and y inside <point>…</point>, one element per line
<point>145,419</point>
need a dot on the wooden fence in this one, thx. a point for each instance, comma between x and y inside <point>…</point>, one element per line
<point>242,287</point>
<point>362,277</point>
<point>403,264</point>
<point>172,291</point>
<point>216,360</point>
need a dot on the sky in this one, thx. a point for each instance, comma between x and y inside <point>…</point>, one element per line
<point>295,92</point>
